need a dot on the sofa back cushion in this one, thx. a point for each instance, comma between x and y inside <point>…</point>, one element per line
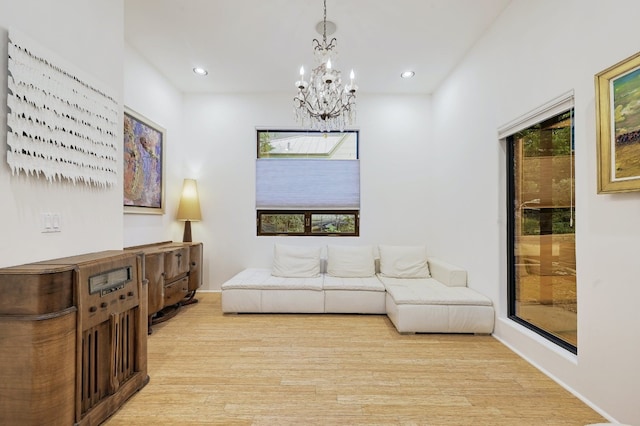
<point>295,261</point>
<point>350,261</point>
<point>404,261</point>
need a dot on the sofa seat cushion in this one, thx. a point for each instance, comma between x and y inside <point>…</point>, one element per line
<point>428,291</point>
<point>361,283</point>
<point>261,279</point>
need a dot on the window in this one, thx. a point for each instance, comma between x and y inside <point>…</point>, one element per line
<point>322,222</point>
<point>541,233</point>
<point>307,183</point>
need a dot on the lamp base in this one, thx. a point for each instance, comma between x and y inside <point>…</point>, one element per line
<point>186,237</point>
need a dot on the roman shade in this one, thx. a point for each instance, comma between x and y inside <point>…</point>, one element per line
<point>307,184</point>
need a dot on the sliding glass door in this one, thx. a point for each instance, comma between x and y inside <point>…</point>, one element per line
<point>542,276</point>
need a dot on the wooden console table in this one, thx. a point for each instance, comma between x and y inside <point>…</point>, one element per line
<point>174,273</point>
<point>73,338</point>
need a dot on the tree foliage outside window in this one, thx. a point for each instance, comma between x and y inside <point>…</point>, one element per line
<point>315,223</point>
<point>336,223</point>
<point>281,223</point>
<point>561,137</point>
<point>264,143</point>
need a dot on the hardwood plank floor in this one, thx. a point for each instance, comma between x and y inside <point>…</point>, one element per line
<point>207,368</point>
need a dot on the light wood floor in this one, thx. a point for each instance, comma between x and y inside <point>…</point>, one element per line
<point>209,368</point>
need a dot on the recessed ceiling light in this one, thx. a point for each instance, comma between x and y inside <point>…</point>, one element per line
<point>200,71</point>
<point>407,74</point>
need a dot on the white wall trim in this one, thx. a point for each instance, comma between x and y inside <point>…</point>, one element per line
<point>555,106</point>
<point>558,381</point>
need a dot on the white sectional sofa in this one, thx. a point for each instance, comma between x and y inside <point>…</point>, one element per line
<point>255,290</point>
<point>440,304</point>
<point>419,294</point>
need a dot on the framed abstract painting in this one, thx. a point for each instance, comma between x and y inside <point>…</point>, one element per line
<point>143,181</point>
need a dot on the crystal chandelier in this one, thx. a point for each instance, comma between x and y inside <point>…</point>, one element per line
<point>323,101</point>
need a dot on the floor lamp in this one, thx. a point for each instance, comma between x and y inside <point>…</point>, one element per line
<point>189,208</point>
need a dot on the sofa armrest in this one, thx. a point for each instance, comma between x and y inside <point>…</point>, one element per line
<point>446,273</point>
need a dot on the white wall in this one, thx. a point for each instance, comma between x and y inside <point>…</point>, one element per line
<point>537,51</point>
<point>221,133</point>
<point>88,35</point>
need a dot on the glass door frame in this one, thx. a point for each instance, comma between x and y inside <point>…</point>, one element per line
<point>511,252</point>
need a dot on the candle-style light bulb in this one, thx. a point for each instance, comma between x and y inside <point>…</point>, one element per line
<point>329,64</point>
<point>301,84</point>
<point>351,88</point>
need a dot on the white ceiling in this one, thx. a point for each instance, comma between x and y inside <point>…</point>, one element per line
<point>259,45</point>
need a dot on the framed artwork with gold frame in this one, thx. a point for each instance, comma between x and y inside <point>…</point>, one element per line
<point>618,126</point>
<point>143,168</point>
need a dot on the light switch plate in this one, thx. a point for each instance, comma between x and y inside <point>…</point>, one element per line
<point>50,222</point>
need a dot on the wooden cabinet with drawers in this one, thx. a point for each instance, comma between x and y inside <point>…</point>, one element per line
<point>174,273</point>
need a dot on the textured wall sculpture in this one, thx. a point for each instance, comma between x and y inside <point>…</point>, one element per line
<point>60,126</point>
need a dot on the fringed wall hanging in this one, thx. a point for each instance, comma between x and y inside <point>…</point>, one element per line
<point>59,125</point>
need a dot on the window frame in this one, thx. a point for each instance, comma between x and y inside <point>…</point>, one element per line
<point>308,232</point>
<point>303,131</point>
<point>512,274</point>
<point>310,211</point>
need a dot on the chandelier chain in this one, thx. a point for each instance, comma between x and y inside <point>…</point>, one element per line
<point>324,25</point>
